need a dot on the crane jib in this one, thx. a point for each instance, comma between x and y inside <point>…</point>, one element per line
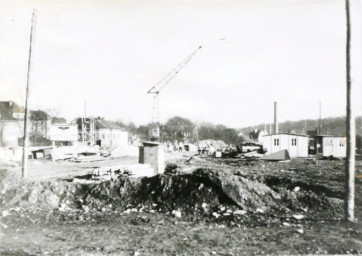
<point>154,132</point>
<point>169,76</point>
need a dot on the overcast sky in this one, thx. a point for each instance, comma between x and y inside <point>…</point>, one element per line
<point>111,53</point>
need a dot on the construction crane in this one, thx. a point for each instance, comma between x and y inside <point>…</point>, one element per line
<point>154,130</point>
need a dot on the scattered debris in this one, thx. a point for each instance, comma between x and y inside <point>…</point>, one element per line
<point>239,212</point>
<point>296,189</point>
<point>300,231</point>
<point>259,210</point>
<point>298,216</point>
<point>5,213</point>
<point>177,213</point>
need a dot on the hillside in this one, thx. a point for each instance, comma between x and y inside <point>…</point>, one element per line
<point>332,125</point>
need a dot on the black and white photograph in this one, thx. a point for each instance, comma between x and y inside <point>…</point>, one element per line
<point>180,127</point>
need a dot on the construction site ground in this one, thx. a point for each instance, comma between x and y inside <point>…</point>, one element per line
<point>46,169</point>
<point>201,206</point>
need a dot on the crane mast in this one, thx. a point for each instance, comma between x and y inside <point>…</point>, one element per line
<point>154,130</point>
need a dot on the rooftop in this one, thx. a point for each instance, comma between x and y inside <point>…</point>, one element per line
<point>331,136</point>
<point>103,124</point>
<point>286,133</point>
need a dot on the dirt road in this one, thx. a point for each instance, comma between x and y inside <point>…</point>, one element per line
<point>46,169</point>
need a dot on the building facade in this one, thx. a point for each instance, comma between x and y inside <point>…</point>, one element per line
<point>12,125</point>
<point>110,135</point>
<point>296,144</point>
<point>328,145</point>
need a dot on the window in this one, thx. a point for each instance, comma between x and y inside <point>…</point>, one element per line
<point>329,142</point>
<point>276,142</point>
<point>294,141</point>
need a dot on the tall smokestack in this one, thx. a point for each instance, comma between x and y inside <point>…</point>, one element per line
<point>276,129</point>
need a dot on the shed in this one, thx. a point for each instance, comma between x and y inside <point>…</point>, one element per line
<point>152,153</point>
<point>329,145</point>
<point>296,144</point>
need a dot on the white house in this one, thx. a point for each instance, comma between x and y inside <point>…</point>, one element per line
<point>296,144</point>
<point>328,145</point>
<point>257,135</point>
<point>109,135</point>
<point>12,125</point>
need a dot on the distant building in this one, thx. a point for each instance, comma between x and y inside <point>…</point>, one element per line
<point>328,145</point>
<point>12,125</point>
<point>110,135</point>
<point>9,110</point>
<point>11,132</point>
<point>296,144</point>
<point>257,135</point>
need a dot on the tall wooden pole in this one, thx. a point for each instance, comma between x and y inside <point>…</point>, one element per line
<point>24,170</point>
<point>351,129</point>
<point>320,119</point>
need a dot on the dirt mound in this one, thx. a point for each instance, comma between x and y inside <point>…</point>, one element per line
<point>247,194</point>
<point>204,191</point>
<point>16,192</point>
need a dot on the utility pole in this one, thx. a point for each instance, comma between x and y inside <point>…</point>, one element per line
<point>320,118</point>
<point>351,129</point>
<point>24,169</point>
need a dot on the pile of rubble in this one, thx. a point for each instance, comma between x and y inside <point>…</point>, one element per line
<point>204,192</point>
<point>211,146</point>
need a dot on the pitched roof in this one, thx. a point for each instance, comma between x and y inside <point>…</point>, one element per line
<point>286,133</point>
<point>103,124</point>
